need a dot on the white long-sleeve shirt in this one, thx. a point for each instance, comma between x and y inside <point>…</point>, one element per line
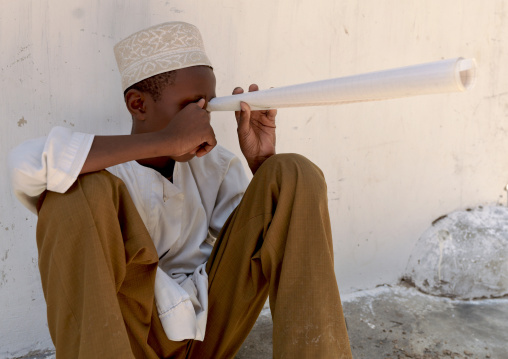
<point>182,218</point>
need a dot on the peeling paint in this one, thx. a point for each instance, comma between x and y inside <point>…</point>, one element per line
<point>21,59</point>
<point>22,122</point>
<point>3,278</point>
<point>6,255</point>
<point>22,49</point>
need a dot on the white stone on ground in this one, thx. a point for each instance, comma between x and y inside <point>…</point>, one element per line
<point>463,255</point>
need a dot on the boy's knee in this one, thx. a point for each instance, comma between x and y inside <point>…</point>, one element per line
<point>92,187</point>
<point>293,166</point>
<point>100,184</point>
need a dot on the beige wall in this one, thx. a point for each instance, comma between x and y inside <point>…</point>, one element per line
<point>392,167</point>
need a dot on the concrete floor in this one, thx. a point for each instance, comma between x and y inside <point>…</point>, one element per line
<point>404,323</point>
<point>401,322</point>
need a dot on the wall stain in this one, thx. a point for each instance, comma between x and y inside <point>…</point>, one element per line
<point>78,13</point>
<point>22,122</point>
<point>23,48</point>
<point>103,35</point>
<point>3,278</point>
<point>21,59</point>
<point>501,94</point>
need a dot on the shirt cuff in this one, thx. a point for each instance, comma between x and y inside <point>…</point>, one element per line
<point>66,152</point>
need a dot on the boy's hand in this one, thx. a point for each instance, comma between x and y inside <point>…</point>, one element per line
<point>256,132</point>
<point>190,132</point>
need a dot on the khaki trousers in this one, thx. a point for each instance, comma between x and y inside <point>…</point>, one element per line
<point>98,266</point>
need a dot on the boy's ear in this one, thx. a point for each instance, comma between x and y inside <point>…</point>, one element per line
<point>135,101</point>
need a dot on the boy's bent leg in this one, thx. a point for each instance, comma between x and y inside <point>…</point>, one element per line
<point>279,241</point>
<point>98,266</point>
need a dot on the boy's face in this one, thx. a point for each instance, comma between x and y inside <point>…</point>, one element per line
<point>190,85</point>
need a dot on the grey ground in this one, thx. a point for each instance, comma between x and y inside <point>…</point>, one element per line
<point>401,322</point>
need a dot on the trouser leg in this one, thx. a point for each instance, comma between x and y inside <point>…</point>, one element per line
<point>278,241</point>
<point>98,265</point>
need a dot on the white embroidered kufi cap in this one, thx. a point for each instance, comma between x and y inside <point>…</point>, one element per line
<point>160,48</point>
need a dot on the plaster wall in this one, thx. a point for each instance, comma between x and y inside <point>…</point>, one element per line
<point>392,167</point>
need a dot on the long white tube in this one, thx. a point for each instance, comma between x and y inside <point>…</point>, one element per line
<point>452,75</point>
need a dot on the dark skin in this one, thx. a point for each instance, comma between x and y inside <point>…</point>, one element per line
<point>256,132</point>
<point>177,127</point>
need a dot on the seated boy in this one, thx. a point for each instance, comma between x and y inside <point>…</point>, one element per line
<point>168,253</point>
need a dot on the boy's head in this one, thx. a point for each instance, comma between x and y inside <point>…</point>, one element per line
<point>163,68</point>
<point>159,49</point>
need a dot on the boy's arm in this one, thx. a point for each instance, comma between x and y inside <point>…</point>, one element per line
<point>188,132</point>
<point>54,163</point>
<point>107,151</point>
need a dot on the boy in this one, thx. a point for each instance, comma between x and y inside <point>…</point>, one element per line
<point>166,254</point>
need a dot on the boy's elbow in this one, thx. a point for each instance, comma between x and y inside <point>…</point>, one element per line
<point>26,176</point>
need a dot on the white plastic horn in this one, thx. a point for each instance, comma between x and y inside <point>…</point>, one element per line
<point>452,75</point>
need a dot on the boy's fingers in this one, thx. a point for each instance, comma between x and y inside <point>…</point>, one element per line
<point>212,142</point>
<point>253,87</point>
<point>271,114</point>
<point>201,102</point>
<point>205,148</point>
<point>236,91</point>
<point>244,118</point>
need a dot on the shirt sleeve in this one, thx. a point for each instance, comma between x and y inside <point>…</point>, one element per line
<point>230,194</point>
<point>52,163</point>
